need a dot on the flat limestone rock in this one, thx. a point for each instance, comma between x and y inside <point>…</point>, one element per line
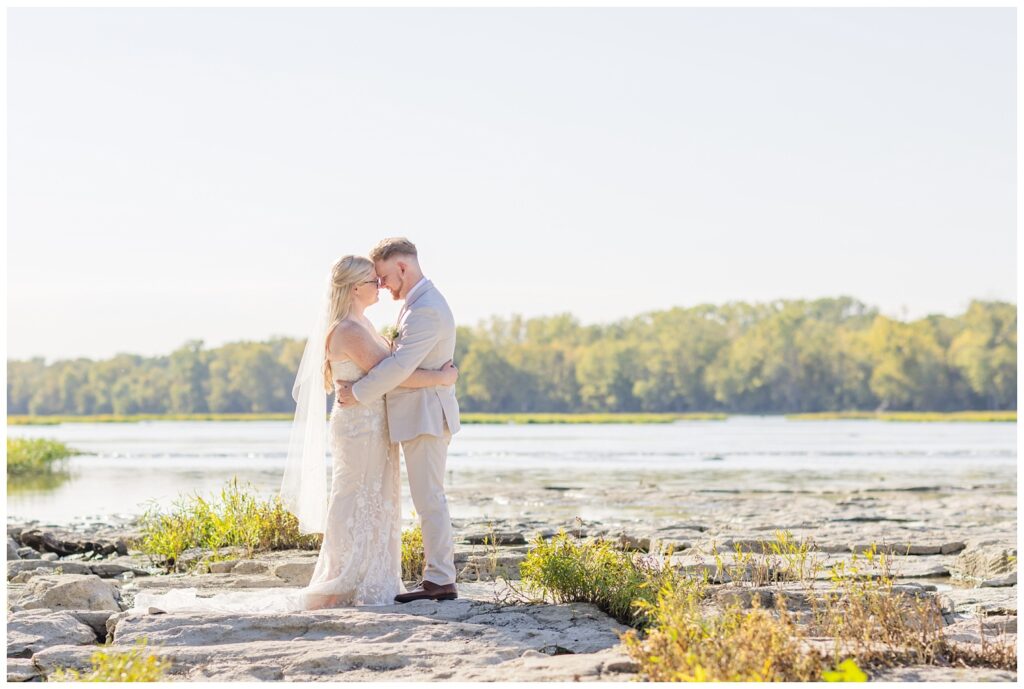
<point>982,601</point>
<point>931,673</point>
<point>21,670</point>
<point>1004,580</point>
<point>611,665</point>
<point>19,566</point>
<point>208,581</point>
<point>994,628</point>
<point>30,631</point>
<point>470,638</point>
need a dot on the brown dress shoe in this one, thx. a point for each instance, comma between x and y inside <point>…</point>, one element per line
<point>428,590</point>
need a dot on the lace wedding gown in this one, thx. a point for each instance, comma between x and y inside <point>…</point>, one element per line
<point>360,561</point>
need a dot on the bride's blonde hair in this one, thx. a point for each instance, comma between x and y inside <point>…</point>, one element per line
<point>346,273</point>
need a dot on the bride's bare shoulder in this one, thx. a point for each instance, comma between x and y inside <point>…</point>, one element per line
<point>346,335</point>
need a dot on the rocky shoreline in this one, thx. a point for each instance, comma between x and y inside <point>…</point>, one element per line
<point>70,589</point>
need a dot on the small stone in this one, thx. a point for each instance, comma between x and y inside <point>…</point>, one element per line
<point>222,567</point>
<point>627,541</point>
<point>50,557</point>
<point>296,573</point>
<point>109,570</point>
<point>744,597</point>
<point>250,567</point>
<point>26,553</point>
<point>12,549</point>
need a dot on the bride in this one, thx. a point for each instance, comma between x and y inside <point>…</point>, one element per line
<point>360,558</point>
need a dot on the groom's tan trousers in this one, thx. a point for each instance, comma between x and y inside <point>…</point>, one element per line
<point>425,458</point>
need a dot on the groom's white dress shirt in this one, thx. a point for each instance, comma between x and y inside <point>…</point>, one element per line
<point>415,287</point>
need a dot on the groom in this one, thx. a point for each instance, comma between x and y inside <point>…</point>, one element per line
<point>421,419</point>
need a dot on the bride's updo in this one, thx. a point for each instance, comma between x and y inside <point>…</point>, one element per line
<point>346,273</point>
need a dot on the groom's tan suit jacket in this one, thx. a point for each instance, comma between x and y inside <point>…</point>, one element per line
<point>426,339</point>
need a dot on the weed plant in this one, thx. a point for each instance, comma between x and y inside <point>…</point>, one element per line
<point>688,643</point>
<point>235,518</point>
<point>564,569</point>
<point>134,665</point>
<point>413,559</point>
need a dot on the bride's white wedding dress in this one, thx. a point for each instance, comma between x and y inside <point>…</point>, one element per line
<point>360,561</point>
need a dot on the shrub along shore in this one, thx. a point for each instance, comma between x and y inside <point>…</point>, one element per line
<point>27,456</point>
<point>538,418</point>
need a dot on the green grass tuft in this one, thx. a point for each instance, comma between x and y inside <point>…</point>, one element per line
<point>564,570</point>
<point>237,517</point>
<point>27,456</point>
<point>413,559</point>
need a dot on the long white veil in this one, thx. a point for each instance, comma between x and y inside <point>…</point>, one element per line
<point>304,485</point>
<point>303,489</point>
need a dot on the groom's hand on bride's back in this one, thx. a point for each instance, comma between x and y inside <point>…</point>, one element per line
<point>450,373</point>
<point>343,396</point>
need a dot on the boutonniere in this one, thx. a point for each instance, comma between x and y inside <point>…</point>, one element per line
<point>390,334</point>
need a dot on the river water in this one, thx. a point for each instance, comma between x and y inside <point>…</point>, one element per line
<point>493,468</point>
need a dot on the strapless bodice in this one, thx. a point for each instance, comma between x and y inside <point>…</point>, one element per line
<point>346,370</point>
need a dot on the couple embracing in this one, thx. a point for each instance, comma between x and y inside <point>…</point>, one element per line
<point>386,394</point>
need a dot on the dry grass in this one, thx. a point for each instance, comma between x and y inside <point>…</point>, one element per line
<point>687,643</point>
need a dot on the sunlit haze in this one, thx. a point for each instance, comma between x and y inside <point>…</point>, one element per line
<point>180,174</point>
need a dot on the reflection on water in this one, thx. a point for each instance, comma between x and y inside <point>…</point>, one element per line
<point>134,464</point>
<point>43,482</point>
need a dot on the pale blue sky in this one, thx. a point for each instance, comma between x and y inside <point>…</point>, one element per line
<point>182,173</point>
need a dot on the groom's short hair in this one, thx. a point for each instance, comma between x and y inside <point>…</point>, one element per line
<point>386,248</point>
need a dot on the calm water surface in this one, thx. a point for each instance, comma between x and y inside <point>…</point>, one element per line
<point>134,464</point>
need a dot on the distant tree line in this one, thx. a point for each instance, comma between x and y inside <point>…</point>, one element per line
<point>830,354</point>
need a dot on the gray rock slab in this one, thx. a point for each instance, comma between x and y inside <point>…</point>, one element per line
<point>30,631</point>
<point>1004,580</point>
<point>21,670</point>
<point>931,673</point>
<point>494,538</point>
<point>981,601</point>
<point>19,566</point>
<point>993,627</point>
<point>470,638</point>
<point>69,592</point>
<point>206,581</point>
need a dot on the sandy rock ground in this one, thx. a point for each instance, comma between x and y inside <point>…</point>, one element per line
<point>954,542</point>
